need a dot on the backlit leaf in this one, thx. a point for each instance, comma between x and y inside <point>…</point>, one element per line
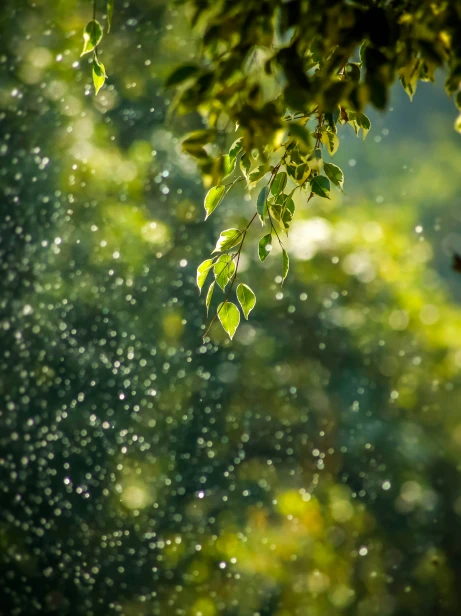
<point>258,173</point>
<point>246,298</point>
<point>99,75</point>
<point>202,272</point>
<point>285,264</point>
<point>92,35</point>
<point>224,269</point>
<point>209,295</point>
<point>228,239</point>
<point>213,198</point>
<point>229,315</point>
<point>235,148</point>
<point>264,246</point>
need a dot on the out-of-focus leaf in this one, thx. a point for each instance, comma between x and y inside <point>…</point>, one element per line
<point>181,74</point>
<point>92,35</point>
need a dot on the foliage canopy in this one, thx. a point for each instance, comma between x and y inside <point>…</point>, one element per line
<point>286,76</point>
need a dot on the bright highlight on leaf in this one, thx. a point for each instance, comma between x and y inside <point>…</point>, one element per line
<point>202,272</point>
<point>213,198</point>
<point>224,269</point>
<point>92,35</point>
<point>246,298</point>
<point>228,239</point>
<point>99,74</point>
<point>264,247</point>
<point>209,295</point>
<point>285,264</point>
<point>229,315</point>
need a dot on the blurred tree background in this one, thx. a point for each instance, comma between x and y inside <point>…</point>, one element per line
<point>310,467</point>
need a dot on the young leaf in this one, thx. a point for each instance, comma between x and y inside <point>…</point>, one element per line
<point>261,206</point>
<point>245,165</point>
<point>285,264</point>
<point>202,272</point>
<point>258,173</point>
<point>320,185</point>
<point>224,269</point>
<point>264,247</point>
<point>229,315</point>
<point>99,75</point>
<point>110,13</point>
<point>213,198</point>
<point>92,35</point>
<point>235,148</point>
<point>279,183</point>
<point>209,295</point>
<point>334,173</point>
<point>246,298</point>
<point>227,239</point>
<point>181,74</point>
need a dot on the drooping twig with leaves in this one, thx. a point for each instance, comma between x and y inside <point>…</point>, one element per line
<point>92,36</point>
<point>287,76</point>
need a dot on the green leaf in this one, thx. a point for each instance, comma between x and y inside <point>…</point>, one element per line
<point>99,75</point>
<point>209,295</point>
<point>228,165</point>
<point>213,198</point>
<point>334,173</point>
<point>228,239</point>
<point>246,298</point>
<point>320,185</point>
<point>245,165</point>
<point>224,269</point>
<point>261,203</point>
<point>236,148</point>
<point>181,74</point>
<point>110,13</point>
<point>92,35</point>
<point>202,272</point>
<point>258,173</point>
<point>287,214</point>
<point>364,122</point>
<point>285,264</point>
<point>331,140</point>
<point>229,316</point>
<point>264,243</point>
<point>279,183</point>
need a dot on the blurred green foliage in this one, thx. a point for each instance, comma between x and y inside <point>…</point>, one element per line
<point>310,467</point>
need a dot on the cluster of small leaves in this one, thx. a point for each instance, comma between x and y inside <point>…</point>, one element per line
<point>297,164</point>
<point>92,36</point>
<point>269,68</point>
